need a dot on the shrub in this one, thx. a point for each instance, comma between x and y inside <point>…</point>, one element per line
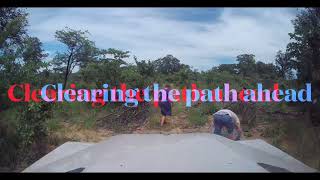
<point>32,122</point>
<point>9,147</point>
<point>208,108</point>
<point>276,132</point>
<point>196,117</point>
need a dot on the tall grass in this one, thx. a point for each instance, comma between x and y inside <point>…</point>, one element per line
<point>196,117</point>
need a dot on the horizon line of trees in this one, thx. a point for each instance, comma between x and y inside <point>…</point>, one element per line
<point>23,60</point>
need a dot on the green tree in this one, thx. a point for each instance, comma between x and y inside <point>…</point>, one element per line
<point>13,24</point>
<point>231,68</point>
<point>305,46</point>
<point>33,57</point>
<point>145,68</point>
<point>167,65</point>
<point>246,64</point>
<point>132,77</point>
<point>284,65</point>
<point>106,69</point>
<point>80,51</point>
<point>102,72</point>
<point>21,56</point>
<point>118,55</point>
<point>304,49</point>
<point>21,60</point>
<point>185,76</point>
<point>266,70</point>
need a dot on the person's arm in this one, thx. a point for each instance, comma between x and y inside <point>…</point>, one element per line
<point>236,122</point>
<point>211,125</point>
<point>234,137</point>
<point>239,130</point>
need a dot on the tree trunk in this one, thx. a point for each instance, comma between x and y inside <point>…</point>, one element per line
<point>67,70</point>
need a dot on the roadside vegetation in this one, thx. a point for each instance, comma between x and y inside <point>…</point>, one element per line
<point>30,130</point>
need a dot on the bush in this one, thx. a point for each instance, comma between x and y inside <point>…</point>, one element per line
<point>208,108</point>
<point>196,117</point>
<point>276,132</point>
<point>32,122</point>
<point>9,147</point>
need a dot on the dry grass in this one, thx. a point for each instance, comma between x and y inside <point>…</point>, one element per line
<point>75,132</point>
<point>176,124</point>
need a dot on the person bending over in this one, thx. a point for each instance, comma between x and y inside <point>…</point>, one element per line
<point>225,118</point>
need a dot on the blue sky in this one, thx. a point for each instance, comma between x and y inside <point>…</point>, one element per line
<point>200,37</point>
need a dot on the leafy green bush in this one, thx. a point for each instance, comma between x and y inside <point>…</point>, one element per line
<point>32,122</point>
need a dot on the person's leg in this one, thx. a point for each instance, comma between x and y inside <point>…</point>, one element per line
<point>167,118</point>
<point>217,124</point>
<point>163,114</point>
<point>228,123</point>
<point>238,136</point>
<point>163,118</point>
<point>169,114</point>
